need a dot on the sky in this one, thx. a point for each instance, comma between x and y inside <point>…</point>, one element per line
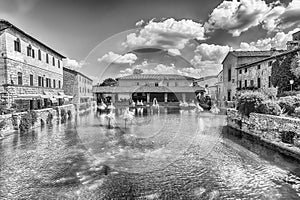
<point>191,37</point>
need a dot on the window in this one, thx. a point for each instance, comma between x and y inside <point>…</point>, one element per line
<point>270,84</point>
<point>43,81</point>
<point>20,80</point>
<point>49,82</point>
<point>251,82</point>
<point>29,49</point>
<point>40,54</point>
<point>31,79</point>
<point>58,63</point>
<point>33,53</point>
<point>233,80</point>
<point>137,83</point>
<point>240,71</point>
<point>240,84</point>
<point>229,75</point>
<point>156,84</point>
<point>17,45</point>
<point>59,84</point>
<point>270,63</point>
<point>54,84</point>
<point>53,61</point>
<point>39,81</point>
<point>258,66</point>
<point>168,84</point>
<point>258,82</point>
<point>176,84</point>
<point>245,83</point>
<point>47,58</point>
<point>245,70</point>
<point>80,89</point>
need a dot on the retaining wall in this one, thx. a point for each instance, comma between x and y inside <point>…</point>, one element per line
<point>277,132</point>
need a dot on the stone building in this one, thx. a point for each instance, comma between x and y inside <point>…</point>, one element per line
<point>31,73</point>
<point>220,89</point>
<point>166,88</point>
<point>295,43</point>
<point>231,64</point>
<point>77,85</point>
<point>257,75</point>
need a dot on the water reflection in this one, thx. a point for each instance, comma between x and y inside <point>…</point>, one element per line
<point>162,154</point>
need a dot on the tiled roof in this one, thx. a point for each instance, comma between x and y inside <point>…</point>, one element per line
<point>132,89</point>
<point>251,53</point>
<point>155,76</point>
<point>76,72</point>
<point>269,58</point>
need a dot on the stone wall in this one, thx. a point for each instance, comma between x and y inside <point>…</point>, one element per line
<point>12,121</point>
<point>281,133</point>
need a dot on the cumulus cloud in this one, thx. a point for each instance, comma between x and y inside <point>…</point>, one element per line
<point>73,64</point>
<point>167,34</point>
<point>239,16</point>
<point>278,41</point>
<point>112,57</point>
<point>174,52</point>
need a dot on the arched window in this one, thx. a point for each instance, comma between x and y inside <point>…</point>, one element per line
<point>29,50</point>
<point>20,79</point>
<point>17,44</point>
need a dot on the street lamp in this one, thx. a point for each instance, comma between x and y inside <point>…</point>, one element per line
<point>291,82</point>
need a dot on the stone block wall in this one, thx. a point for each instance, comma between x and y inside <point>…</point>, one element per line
<point>283,132</point>
<point>12,121</point>
<point>70,85</point>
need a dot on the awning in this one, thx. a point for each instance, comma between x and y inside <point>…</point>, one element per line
<point>27,96</point>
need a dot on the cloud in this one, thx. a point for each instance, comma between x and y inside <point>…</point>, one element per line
<point>278,41</point>
<point>174,52</point>
<point>111,57</point>
<point>167,34</point>
<point>73,64</point>
<point>239,16</point>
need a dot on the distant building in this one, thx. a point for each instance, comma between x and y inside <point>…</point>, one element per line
<point>31,73</point>
<point>209,83</point>
<point>257,75</point>
<point>77,85</point>
<point>220,96</point>
<point>231,64</point>
<point>145,87</point>
<point>295,43</point>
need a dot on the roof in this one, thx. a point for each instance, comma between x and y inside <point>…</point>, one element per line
<point>9,25</point>
<point>206,78</point>
<point>249,54</point>
<point>132,89</point>
<point>268,58</point>
<point>76,72</point>
<point>155,76</point>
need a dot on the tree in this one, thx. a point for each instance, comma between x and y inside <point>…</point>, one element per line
<point>281,74</point>
<point>295,66</point>
<point>109,82</point>
<point>138,71</point>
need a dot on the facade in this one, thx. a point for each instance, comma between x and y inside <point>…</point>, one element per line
<point>232,62</point>
<point>145,87</point>
<point>220,96</point>
<point>257,75</point>
<point>31,73</point>
<point>77,85</point>
<point>295,43</point>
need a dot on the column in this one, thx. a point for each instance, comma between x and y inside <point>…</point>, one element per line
<point>113,98</point>
<point>148,97</point>
<point>183,97</point>
<point>166,97</point>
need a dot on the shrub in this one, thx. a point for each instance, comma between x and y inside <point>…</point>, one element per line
<point>269,107</point>
<point>63,115</point>
<point>49,118</point>
<point>249,102</point>
<point>289,103</point>
<point>288,93</point>
<point>27,121</point>
<point>288,137</point>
